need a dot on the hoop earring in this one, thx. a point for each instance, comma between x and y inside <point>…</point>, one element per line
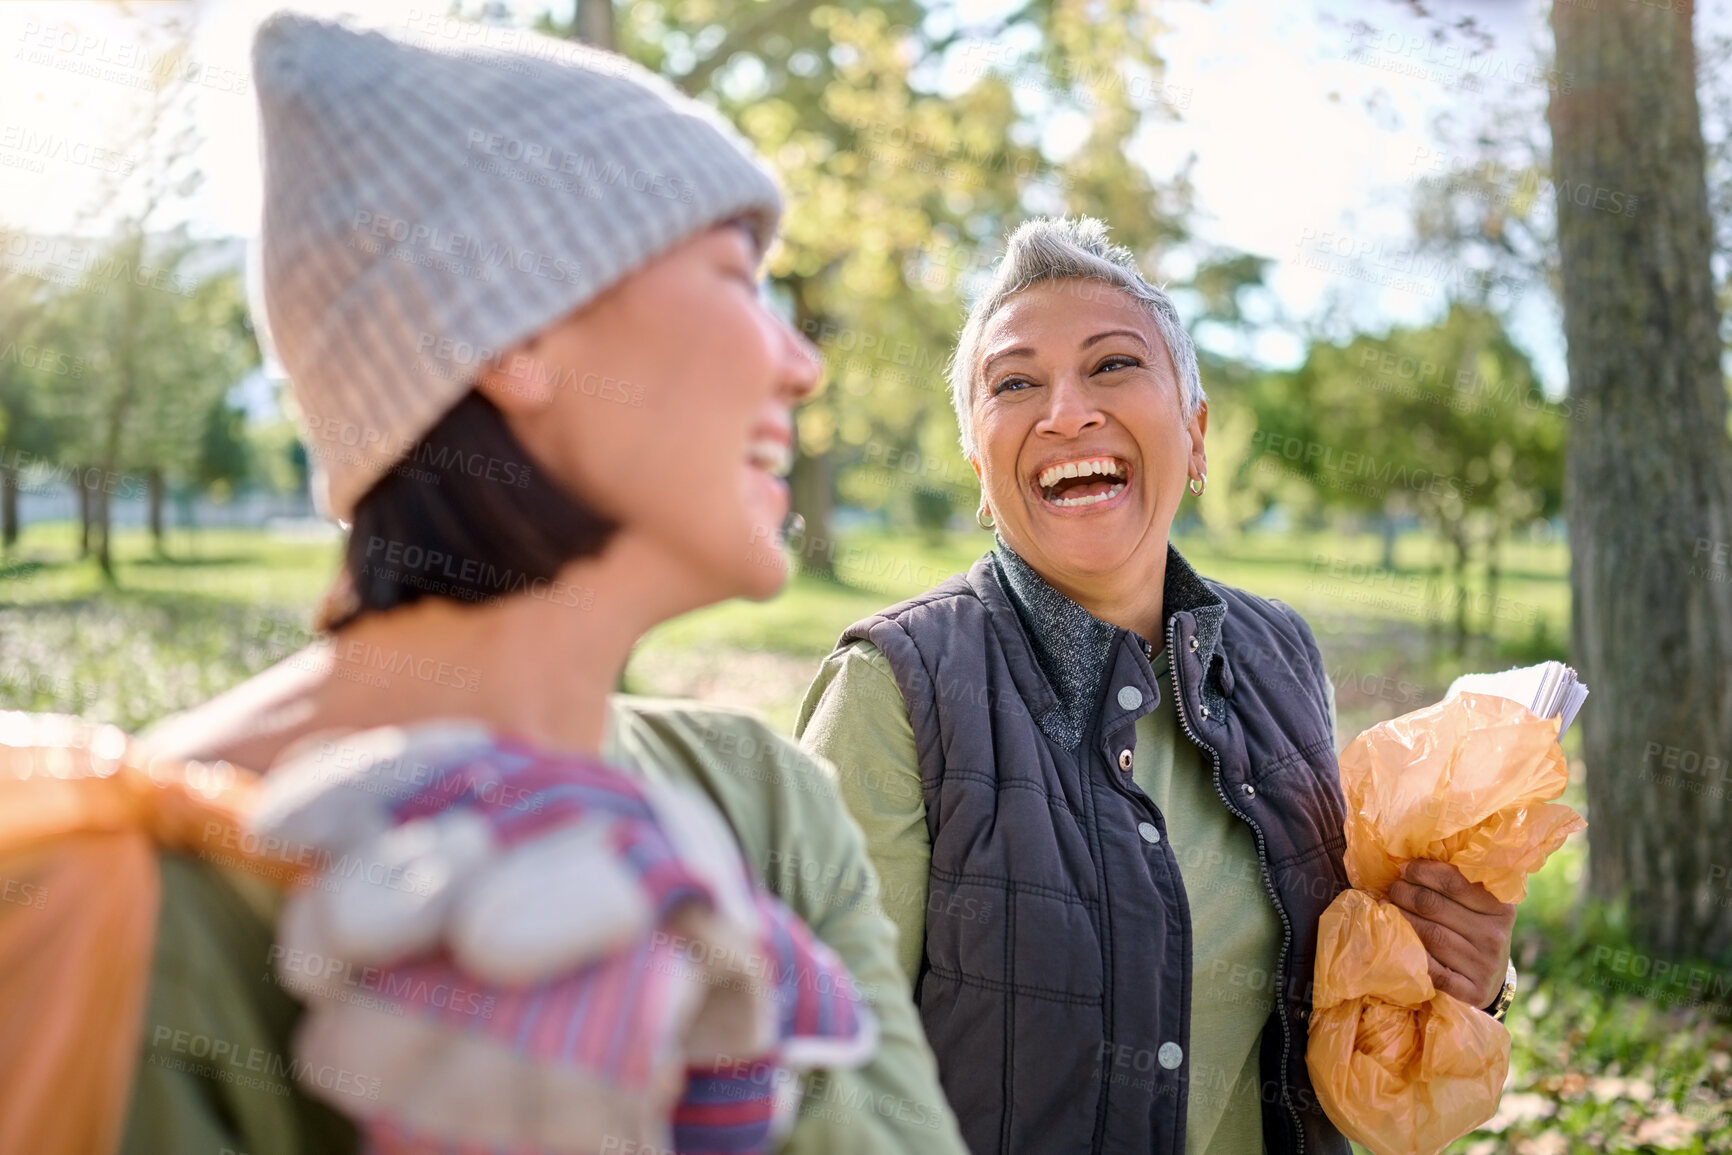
<point>983,518</point>
<point>1198,484</point>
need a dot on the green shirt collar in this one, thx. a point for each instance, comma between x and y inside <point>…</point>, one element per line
<point>1073,647</point>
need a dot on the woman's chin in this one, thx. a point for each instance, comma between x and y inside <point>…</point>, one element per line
<point>1081,550</point>
<point>764,568</point>
<point>766,579</point>
<point>1100,532</point>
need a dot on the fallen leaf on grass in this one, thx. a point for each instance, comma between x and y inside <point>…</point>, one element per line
<point>1607,1089</point>
<point>1551,1143</point>
<point>1667,1129</point>
<point>1518,1107</point>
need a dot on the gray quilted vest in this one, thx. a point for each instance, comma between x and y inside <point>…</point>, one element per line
<point>1061,1023</point>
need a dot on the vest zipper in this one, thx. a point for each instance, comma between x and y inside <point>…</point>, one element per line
<point>1263,858</point>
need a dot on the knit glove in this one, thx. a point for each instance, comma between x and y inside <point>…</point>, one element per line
<point>533,949</point>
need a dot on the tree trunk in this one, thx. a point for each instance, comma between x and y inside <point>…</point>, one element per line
<point>155,488</point>
<point>1493,572</point>
<point>811,481</point>
<point>592,23</point>
<point>8,507</point>
<point>812,495</point>
<point>102,514</point>
<point>1648,480</point>
<point>1386,525</point>
<point>1462,598</point>
<point>83,489</point>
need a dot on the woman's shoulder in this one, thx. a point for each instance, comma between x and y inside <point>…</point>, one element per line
<point>781,801</point>
<point>633,717</point>
<point>1268,635</point>
<point>859,658</point>
<point>1246,606</point>
<point>728,750</point>
<point>250,724</point>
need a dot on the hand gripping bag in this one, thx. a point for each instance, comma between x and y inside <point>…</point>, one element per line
<point>1400,1067</point>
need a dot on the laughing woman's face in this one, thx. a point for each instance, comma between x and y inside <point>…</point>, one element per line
<point>1084,449</point>
<point>672,413</point>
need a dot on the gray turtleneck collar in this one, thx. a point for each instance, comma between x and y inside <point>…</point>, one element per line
<point>1074,648</point>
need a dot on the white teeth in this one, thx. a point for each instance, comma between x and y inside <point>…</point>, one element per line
<point>1105,466</point>
<point>772,456</point>
<point>1092,500</point>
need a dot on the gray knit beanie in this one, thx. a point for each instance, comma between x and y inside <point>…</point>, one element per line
<point>434,196</point>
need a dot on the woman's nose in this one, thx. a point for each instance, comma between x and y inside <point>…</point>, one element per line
<point>1070,409</point>
<point>802,364</point>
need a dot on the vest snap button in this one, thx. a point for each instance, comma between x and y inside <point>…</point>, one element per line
<point>1194,644</point>
<point>1149,832</point>
<point>1250,790</point>
<point>1170,1055</point>
<point>1125,760</point>
<point>1130,697</point>
<point>1205,711</point>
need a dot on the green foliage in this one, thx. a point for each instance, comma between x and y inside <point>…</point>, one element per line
<point>30,365</point>
<point>1446,423</point>
<point>901,191</point>
<point>224,452</point>
<point>277,456</point>
<point>932,509</point>
<point>1443,422</point>
<point>164,346</point>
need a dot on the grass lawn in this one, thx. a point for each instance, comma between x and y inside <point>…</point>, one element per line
<point>228,604</point>
<point>1602,1062</point>
<point>235,600</point>
<point>1385,635</point>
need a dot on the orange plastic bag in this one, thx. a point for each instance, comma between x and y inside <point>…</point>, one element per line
<point>80,822</point>
<point>1400,1067</point>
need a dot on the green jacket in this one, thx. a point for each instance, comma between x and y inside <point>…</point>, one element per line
<point>211,978</point>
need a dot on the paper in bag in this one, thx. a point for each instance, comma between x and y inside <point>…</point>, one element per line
<point>1400,1067</point>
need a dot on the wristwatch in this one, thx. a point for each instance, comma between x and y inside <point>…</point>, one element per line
<point>1500,1005</point>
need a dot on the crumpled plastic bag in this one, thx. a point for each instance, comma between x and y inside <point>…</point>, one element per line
<point>1400,1067</point>
<point>81,820</point>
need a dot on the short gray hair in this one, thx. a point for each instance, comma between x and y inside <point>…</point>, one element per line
<point>1056,249</point>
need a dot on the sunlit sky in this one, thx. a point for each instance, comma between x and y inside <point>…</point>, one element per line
<point>1293,128</point>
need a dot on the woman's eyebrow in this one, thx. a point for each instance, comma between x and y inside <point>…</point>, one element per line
<point>1019,351</point>
<point>1115,333</point>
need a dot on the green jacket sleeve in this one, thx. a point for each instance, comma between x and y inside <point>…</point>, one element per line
<point>784,809</point>
<point>854,718</point>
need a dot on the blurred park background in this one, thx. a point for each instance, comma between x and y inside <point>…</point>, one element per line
<point>1457,272</point>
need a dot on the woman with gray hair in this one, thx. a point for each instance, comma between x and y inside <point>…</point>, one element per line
<point>1100,790</point>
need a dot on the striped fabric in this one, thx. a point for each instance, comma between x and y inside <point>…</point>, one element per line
<point>620,1018</point>
<point>438,191</point>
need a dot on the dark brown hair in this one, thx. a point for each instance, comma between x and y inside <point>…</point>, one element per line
<point>465,515</point>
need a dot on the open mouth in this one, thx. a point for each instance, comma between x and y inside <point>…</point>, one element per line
<point>773,456</point>
<point>1086,481</point>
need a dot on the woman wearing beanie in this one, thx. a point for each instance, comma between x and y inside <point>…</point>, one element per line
<point>516,294</point>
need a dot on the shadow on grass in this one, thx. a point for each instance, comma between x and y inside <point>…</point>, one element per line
<point>177,562</point>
